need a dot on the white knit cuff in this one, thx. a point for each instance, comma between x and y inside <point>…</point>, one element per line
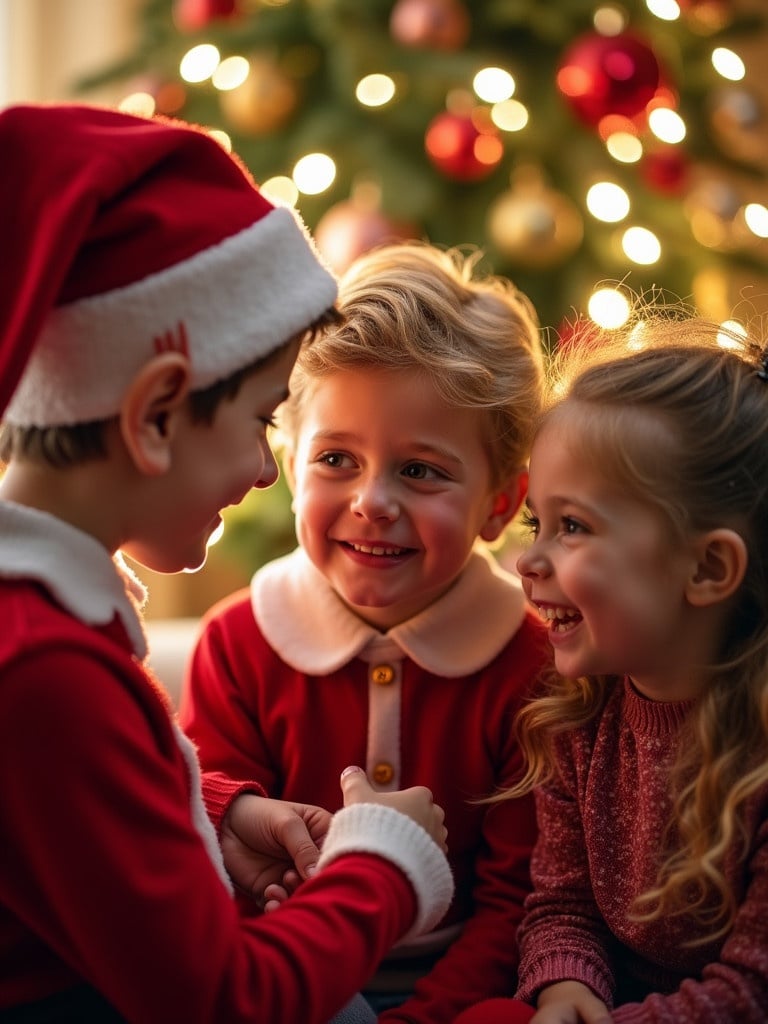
<point>374,828</point>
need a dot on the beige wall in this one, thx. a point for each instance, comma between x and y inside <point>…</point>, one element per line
<point>49,44</point>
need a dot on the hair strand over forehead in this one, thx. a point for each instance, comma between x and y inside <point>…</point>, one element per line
<point>414,307</point>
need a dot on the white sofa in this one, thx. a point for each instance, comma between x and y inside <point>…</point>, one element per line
<point>170,645</point>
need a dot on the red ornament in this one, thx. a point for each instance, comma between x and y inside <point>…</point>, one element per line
<point>607,75</point>
<point>351,228</point>
<point>462,146</point>
<point>431,24</point>
<point>579,333</point>
<point>666,169</point>
<point>192,15</point>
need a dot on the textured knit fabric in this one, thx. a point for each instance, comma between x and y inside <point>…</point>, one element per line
<point>288,686</point>
<point>599,830</point>
<point>110,904</point>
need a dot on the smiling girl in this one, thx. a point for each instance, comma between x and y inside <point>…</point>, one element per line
<point>648,504</point>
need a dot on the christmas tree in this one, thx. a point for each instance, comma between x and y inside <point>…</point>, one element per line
<point>578,144</point>
<point>574,142</point>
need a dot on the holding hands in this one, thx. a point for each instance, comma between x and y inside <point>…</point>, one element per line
<point>417,802</point>
<point>271,846</point>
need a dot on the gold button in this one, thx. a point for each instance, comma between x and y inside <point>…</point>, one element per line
<point>383,773</point>
<point>383,675</point>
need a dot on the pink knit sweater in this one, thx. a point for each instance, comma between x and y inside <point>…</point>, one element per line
<point>601,827</point>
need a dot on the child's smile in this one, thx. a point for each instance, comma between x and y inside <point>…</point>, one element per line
<point>605,572</point>
<point>392,488</point>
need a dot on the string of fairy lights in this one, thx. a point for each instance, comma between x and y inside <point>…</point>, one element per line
<point>494,109</point>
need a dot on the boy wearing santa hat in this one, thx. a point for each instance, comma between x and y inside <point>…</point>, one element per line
<point>152,303</point>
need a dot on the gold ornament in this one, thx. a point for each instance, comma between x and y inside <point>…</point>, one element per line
<point>534,225</point>
<point>264,102</point>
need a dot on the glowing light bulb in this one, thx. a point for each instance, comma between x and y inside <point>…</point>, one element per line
<point>641,245</point>
<point>510,115</point>
<point>624,147</point>
<point>608,202</point>
<point>232,72</point>
<point>731,334</point>
<point>667,125</point>
<point>609,308</point>
<point>494,85</point>
<point>665,10</point>
<point>280,189</point>
<point>609,21</point>
<point>314,173</point>
<point>199,63</point>
<point>141,104</point>
<point>375,90</point>
<point>756,218</point>
<point>222,138</point>
<point>728,64</point>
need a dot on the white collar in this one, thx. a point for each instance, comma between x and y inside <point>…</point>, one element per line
<point>74,567</point>
<point>311,628</point>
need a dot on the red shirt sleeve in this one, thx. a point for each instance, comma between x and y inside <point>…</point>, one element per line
<point>104,879</point>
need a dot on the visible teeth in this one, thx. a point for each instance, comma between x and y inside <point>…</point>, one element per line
<point>377,550</point>
<point>557,612</point>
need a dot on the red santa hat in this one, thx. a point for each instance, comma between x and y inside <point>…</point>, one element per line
<point>124,237</point>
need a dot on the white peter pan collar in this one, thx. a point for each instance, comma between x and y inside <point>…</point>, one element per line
<point>74,567</point>
<point>311,628</point>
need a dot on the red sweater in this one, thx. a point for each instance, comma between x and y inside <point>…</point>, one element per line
<point>105,885</point>
<point>600,830</point>
<point>309,687</point>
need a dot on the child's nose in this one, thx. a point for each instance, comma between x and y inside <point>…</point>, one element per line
<point>374,499</point>
<point>532,563</point>
<point>269,470</point>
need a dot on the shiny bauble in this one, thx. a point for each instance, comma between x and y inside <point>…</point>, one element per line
<point>264,102</point>
<point>351,228</point>
<point>462,147</point>
<point>601,76</point>
<point>194,15</point>
<point>535,226</point>
<point>430,24</point>
<point>666,169</point>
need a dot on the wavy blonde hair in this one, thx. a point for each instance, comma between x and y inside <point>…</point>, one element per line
<point>412,306</point>
<point>708,388</point>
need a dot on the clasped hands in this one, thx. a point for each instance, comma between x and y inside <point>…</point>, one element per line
<point>270,846</point>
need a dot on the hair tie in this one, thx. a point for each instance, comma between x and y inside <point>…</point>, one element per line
<point>762,371</point>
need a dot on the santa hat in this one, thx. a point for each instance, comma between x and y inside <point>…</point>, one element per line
<point>124,237</point>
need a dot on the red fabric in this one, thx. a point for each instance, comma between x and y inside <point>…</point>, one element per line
<point>601,826</point>
<point>252,716</point>
<point>103,878</point>
<point>77,180</point>
<point>497,1011</point>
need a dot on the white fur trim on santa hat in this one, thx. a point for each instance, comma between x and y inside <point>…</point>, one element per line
<point>227,305</point>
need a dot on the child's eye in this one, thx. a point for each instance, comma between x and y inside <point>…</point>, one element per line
<point>420,471</point>
<point>571,526</point>
<point>336,460</point>
<point>529,521</point>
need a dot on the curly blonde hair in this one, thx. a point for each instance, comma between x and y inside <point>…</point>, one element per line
<point>412,306</point>
<point>708,386</point>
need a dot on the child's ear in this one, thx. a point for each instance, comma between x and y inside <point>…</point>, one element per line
<point>506,501</point>
<point>149,410</point>
<point>721,562</point>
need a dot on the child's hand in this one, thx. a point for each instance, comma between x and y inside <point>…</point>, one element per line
<point>271,842</point>
<point>416,802</point>
<point>570,1002</point>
